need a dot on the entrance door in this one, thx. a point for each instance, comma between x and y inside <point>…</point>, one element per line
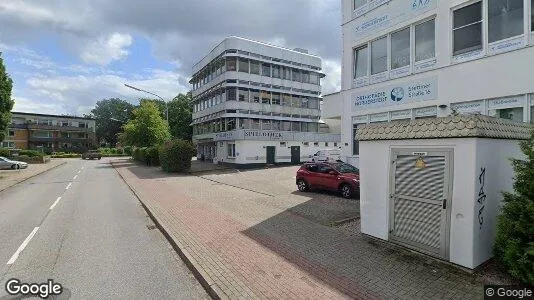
<point>421,189</point>
<point>295,154</point>
<point>271,151</point>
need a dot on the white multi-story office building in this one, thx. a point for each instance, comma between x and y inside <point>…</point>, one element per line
<point>256,103</point>
<point>405,59</point>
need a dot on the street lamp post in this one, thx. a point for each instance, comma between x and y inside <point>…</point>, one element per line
<point>153,94</point>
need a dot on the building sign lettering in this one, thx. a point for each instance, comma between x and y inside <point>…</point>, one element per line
<point>396,94</point>
<point>508,102</point>
<point>395,12</point>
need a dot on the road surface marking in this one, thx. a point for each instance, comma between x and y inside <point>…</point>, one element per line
<point>21,248</point>
<point>74,178</point>
<point>68,186</point>
<point>53,205</point>
<point>79,171</point>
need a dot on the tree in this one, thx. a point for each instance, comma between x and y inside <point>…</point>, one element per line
<point>514,243</point>
<point>159,103</point>
<point>146,128</point>
<point>6,103</point>
<point>110,115</point>
<point>180,116</point>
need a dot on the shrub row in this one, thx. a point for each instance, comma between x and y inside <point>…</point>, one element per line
<point>147,155</point>
<point>109,151</point>
<point>65,155</point>
<point>173,156</point>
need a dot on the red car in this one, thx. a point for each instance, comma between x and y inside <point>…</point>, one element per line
<point>336,176</point>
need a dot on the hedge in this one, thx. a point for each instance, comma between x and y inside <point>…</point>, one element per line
<point>65,155</point>
<point>136,154</point>
<point>32,159</point>
<point>128,150</point>
<point>176,155</point>
<point>4,152</point>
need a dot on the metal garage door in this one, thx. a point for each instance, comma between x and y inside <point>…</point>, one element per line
<point>420,200</point>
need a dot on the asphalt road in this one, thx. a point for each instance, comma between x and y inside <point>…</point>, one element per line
<point>96,240</point>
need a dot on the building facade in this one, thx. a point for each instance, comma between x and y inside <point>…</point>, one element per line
<point>256,103</point>
<point>407,59</point>
<point>53,132</point>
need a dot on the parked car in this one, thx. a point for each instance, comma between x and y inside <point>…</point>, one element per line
<point>327,156</point>
<point>336,176</point>
<point>92,154</point>
<point>6,163</point>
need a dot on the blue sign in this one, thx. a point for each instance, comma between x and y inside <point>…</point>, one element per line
<point>397,94</point>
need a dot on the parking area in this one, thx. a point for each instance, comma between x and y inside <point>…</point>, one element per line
<point>10,177</point>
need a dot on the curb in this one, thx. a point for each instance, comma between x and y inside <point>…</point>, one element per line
<point>207,283</point>
<point>36,174</point>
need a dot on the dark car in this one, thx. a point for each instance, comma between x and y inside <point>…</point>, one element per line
<point>92,154</point>
<point>335,176</point>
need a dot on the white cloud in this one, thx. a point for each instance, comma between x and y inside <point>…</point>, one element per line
<point>106,49</point>
<point>332,82</point>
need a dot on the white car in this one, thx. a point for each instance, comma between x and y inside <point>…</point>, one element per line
<point>6,163</point>
<point>326,156</point>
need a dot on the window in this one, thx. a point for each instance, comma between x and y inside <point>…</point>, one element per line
<point>467,29</point>
<point>286,100</point>
<point>425,40</point>
<point>379,56</point>
<point>304,102</point>
<point>11,133</point>
<point>304,127</point>
<point>400,49</point>
<point>266,125</point>
<point>305,77</point>
<point>243,65</point>
<point>355,142</point>
<point>282,144</point>
<point>230,64</point>
<point>230,124</point>
<point>254,67</point>
<point>316,144</point>
<point>532,15</point>
<point>313,103</point>
<point>360,62</point>
<point>276,99</point>
<point>295,126</point>
<point>265,69</point>
<point>255,123</point>
<point>244,123</point>
<point>286,126</point>
<point>514,114</point>
<point>231,94</point>
<point>255,96</point>
<point>505,19</point>
<point>265,97</point>
<point>296,75</point>
<point>326,144</point>
<point>358,3</point>
<point>532,114</point>
<point>314,78</point>
<point>275,125</point>
<point>287,72</point>
<point>335,144</point>
<point>243,95</point>
<point>231,150</point>
<point>313,127</point>
<point>64,124</point>
<point>276,71</point>
<point>295,101</point>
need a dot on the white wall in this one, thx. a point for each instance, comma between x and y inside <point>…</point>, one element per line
<point>252,152</point>
<point>332,106</point>
<point>492,155</point>
<point>470,243</point>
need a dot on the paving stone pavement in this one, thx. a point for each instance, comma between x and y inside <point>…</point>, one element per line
<point>249,241</point>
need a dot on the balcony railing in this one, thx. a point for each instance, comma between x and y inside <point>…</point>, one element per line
<point>58,127</point>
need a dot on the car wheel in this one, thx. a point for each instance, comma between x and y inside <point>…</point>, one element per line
<point>302,185</point>
<point>15,167</point>
<point>99,158</point>
<point>346,191</point>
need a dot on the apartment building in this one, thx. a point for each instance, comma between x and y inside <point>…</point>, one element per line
<point>256,103</point>
<point>406,59</point>
<point>54,132</point>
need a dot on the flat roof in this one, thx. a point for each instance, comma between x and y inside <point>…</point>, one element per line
<point>47,115</point>
<point>253,41</point>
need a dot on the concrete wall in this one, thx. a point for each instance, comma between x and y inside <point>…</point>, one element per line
<point>470,243</point>
<point>332,106</point>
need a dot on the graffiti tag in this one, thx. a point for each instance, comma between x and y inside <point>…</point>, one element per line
<point>481,196</point>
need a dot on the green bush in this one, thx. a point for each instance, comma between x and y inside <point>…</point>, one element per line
<point>30,159</point>
<point>136,153</point>
<point>31,153</point>
<point>65,155</point>
<point>142,154</point>
<point>152,156</point>
<point>128,150</point>
<point>176,155</point>
<point>4,152</point>
<point>514,243</point>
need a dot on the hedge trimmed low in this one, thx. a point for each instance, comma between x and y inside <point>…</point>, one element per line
<point>176,155</point>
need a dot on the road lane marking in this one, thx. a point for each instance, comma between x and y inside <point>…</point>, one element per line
<point>53,205</point>
<point>22,246</point>
<point>79,171</point>
<point>68,186</point>
<point>74,178</point>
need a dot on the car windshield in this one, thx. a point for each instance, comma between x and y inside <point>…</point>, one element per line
<point>3,158</point>
<point>345,168</point>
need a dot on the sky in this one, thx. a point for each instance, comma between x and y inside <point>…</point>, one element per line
<point>65,55</point>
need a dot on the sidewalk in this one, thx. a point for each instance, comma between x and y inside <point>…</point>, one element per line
<point>9,178</point>
<point>246,244</point>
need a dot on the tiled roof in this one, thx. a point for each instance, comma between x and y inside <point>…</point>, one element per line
<point>447,127</point>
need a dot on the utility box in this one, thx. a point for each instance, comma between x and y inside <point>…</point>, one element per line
<point>434,185</point>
